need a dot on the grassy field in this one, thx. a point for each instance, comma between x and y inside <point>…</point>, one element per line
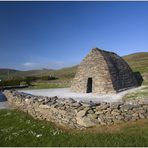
<point>138,61</point>
<point>68,72</point>
<point>59,83</point>
<point>44,85</point>
<point>19,129</point>
<point>139,94</point>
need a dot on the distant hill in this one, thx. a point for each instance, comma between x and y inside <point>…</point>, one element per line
<point>67,72</point>
<point>5,72</point>
<point>137,61</point>
<point>32,73</point>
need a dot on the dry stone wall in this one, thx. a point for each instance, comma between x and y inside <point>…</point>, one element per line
<point>72,114</point>
<point>121,74</point>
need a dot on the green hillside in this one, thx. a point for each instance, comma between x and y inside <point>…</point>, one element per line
<point>6,73</point>
<point>137,61</point>
<point>68,72</point>
<point>31,73</point>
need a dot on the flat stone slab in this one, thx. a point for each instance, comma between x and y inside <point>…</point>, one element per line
<point>87,97</point>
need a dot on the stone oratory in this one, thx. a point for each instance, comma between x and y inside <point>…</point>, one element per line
<point>103,72</point>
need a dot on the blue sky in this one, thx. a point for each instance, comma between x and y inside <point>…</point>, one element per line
<point>59,34</point>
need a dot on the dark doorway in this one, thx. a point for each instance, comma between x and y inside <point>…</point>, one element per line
<point>89,85</point>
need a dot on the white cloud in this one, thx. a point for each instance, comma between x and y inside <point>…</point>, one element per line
<point>48,65</point>
<point>29,64</point>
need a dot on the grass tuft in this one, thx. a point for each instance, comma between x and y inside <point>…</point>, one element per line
<point>20,129</point>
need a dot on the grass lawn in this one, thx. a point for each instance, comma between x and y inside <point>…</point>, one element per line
<point>60,83</point>
<point>46,85</point>
<point>139,94</point>
<point>19,129</point>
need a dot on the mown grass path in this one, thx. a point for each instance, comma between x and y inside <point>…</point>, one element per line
<point>19,129</point>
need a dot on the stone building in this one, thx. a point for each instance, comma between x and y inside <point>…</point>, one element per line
<point>103,72</point>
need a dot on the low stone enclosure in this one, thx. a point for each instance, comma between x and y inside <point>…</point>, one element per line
<point>72,114</point>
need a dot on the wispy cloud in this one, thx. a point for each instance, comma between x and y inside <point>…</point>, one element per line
<point>48,65</point>
<point>29,64</point>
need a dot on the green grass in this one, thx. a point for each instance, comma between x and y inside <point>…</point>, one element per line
<point>139,94</point>
<point>138,61</point>
<point>46,85</point>
<point>59,83</point>
<point>19,129</point>
<point>145,76</point>
<point>68,72</point>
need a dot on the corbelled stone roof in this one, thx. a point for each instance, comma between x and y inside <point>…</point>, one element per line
<point>103,72</point>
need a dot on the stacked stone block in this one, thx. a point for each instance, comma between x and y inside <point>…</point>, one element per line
<point>108,71</point>
<point>73,114</point>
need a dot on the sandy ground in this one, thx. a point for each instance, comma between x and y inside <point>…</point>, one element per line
<point>3,102</point>
<point>67,93</point>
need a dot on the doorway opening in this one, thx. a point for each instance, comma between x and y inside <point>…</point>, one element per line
<point>89,85</point>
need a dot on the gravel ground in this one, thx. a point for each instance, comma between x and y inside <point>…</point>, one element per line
<point>67,93</point>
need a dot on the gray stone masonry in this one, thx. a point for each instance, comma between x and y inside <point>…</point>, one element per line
<point>72,114</point>
<point>103,72</point>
